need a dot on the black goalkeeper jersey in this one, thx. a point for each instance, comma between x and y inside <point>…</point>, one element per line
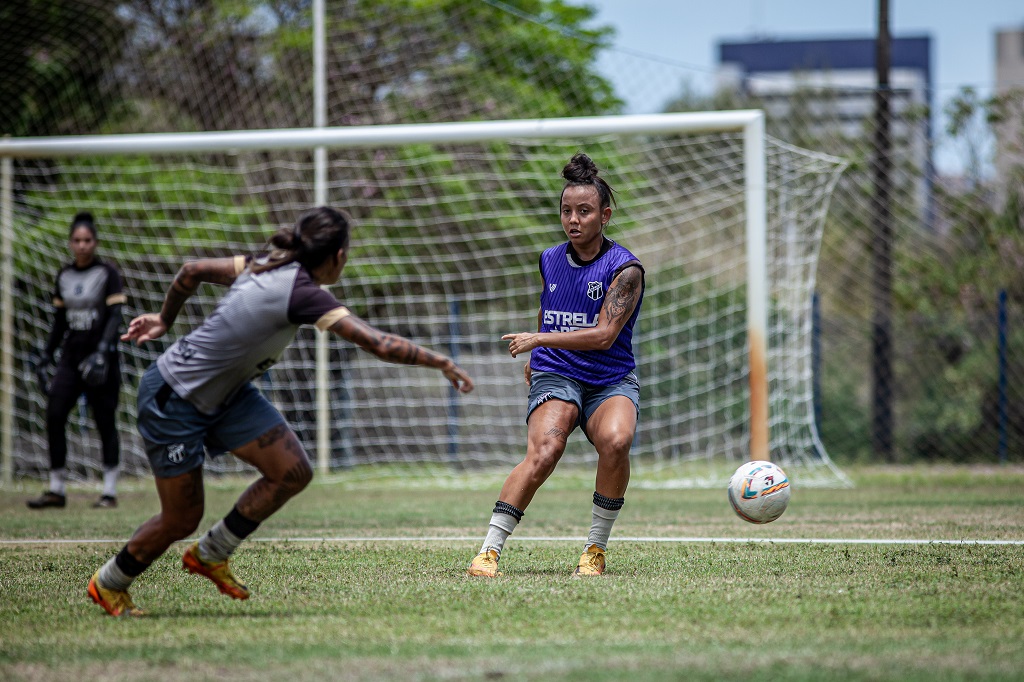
<point>85,295</point>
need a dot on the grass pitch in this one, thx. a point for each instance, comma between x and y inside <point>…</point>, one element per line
<point>366,582</point>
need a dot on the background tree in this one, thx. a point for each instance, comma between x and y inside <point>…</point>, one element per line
<point>55,59</point>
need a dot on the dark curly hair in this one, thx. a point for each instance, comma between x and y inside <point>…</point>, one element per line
<point>581,170</point>
<point>317,235</point>
<point>82,219</point>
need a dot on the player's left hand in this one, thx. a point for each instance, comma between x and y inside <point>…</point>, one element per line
<point>459,379</point>
<point>523,342</point>
<point>145,328</point>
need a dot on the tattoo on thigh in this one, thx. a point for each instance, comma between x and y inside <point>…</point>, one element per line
<point>295,447</point>
<point>557,432</point>
<point>273,435</point>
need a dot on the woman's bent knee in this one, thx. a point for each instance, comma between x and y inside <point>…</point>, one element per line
<point>620,445</point>
<point>298,476</point>
<point>543,461</point>
<point>180,528</point>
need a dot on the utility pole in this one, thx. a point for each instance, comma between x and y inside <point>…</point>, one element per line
<point>882,238</point>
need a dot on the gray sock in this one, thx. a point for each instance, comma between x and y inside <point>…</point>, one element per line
<point>500,528</point>
<point>218,543</point>
<point>111,577</point>
<point>601,526</point>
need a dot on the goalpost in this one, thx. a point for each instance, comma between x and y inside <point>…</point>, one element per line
<point>449,221</point>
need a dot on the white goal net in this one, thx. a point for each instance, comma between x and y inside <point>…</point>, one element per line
<point>445,251</point>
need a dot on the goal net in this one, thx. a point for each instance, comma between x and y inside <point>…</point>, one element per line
<point>445,249</point>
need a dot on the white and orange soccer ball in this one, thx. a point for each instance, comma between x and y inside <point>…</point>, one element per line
<point>759,492</point>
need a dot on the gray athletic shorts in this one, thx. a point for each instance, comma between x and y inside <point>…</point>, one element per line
<point>178,437</point>
<point>586,397</point>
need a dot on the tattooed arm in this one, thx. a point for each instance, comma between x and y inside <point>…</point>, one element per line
<point>193,273</point>
<point>394,348</point>
<point>619,304</point>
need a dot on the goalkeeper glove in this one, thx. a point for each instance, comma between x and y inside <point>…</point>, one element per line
<point>94,368</point>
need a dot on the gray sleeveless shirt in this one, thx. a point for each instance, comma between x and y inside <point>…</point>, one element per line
<point>246,334</point>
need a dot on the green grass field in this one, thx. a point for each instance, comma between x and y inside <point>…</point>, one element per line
<point>339,595</point>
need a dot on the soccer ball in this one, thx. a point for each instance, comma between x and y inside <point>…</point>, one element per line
<point>759,492</point>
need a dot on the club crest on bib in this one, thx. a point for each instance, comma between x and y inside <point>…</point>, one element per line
<point>595,290</point>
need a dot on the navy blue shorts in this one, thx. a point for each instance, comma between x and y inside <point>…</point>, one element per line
<point>178,437</point>
<point>586,397</point>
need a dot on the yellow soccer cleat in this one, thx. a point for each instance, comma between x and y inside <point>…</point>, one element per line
<point>485,564</point>
<point>591,563</point>
<point>116,602</point>
<point>219,573</point>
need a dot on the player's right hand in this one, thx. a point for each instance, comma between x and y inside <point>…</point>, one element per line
<point>94,368</point>
<point>145,328</point>
<point>528,373</point>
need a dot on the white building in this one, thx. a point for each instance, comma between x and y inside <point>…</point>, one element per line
<point>825,88</point>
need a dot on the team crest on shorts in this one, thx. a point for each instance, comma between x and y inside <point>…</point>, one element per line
<point>595,290</point>
<point>176,453</point>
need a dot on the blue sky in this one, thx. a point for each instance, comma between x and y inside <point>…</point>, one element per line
<point>687,32</point>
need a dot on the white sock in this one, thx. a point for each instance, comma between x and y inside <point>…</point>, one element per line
<point>601,526</point>
<point>500,528</point>
<point>111,576</point>
<point>218,543</point>
<point>57,481</point>
<point>110,481</point>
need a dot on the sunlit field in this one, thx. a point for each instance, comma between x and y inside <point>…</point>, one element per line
<point>914,573</point>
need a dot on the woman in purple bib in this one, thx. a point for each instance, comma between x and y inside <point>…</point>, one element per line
<point>581,369</point>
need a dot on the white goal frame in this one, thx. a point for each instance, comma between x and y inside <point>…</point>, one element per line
<point>749,122</point>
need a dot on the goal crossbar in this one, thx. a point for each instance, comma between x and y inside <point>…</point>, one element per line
<point>379,135</point>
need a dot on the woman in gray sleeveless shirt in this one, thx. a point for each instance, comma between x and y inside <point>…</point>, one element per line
<point>198,399</point>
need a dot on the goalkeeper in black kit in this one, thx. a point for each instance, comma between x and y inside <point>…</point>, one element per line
<point>87,299</point>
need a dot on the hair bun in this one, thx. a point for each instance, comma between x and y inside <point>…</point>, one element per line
<point>82,217</point>
<point>284,239</point>
<point>581,168</point>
